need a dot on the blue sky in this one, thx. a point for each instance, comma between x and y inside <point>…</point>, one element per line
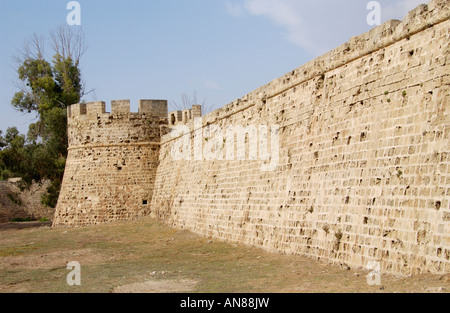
<point>160,49</point>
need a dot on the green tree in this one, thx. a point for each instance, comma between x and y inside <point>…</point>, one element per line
<point>46,89</point>
<point>11,155</point>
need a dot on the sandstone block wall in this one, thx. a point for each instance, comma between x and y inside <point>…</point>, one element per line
<point>363,173</point>
<point>112,161</point>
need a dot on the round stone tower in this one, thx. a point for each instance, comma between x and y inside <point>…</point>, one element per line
<point>111,163</point>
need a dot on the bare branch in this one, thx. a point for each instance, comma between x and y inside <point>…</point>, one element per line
<point>32,48</point>
<point>187,102</point>
<point>173,105</point>
<point>69,42</point>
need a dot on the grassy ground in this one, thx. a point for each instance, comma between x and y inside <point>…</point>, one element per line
<point>146,255</point>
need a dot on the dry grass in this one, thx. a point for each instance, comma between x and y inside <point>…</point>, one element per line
<point>146,255</point>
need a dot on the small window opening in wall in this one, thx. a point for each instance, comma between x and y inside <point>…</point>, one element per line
<point>363,136</point>
<point>144,202</point>
<point>437,205</point>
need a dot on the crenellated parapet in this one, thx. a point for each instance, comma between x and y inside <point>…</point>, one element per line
<point>89,123</point>
<point>93,109</point>
<point>184,117</point>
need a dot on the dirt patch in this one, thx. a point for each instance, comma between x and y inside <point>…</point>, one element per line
<point>52,260</point>
<point>158,286</point>
<point>10,226</point>
<point>147,256</point>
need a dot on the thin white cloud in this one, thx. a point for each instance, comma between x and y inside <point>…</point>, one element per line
<point>234,9</point>
<point>321,25</point>
<point>209,84</point>
<point>287,14</point>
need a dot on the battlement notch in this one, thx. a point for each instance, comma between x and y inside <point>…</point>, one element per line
<point>185,116</point>
<point>157,108</point>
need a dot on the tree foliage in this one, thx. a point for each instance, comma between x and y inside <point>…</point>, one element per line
<point>46,89</point>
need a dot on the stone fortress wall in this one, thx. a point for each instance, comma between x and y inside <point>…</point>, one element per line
<point>363,170</point>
